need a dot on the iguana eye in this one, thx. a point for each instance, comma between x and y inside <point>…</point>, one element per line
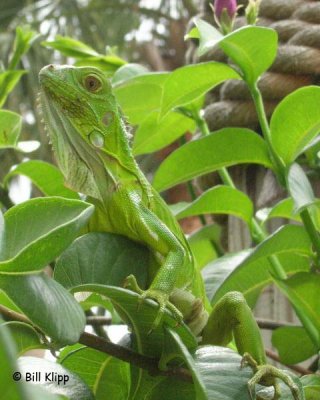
<point>92,83</point>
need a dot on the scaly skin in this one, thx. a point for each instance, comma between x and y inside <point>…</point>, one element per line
<point>92,149</point>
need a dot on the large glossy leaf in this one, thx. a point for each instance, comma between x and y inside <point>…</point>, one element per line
<point>179,348</point>
<point>207,34</point>
<point>300,188</point>
<point>10,128</point>
<point>25,336</point>
<point>128,71</point>
<point>47,304</point>
<point>8,81</point>
<point>187,83</point>
<point>141,318</point>
<point>9,388</point>
<point>11,385</point>
<point>140,96</point>
<point>224,379</point>
<point>45,176</point>
<point>71,47</point>
<point>103,258</point>
<point>229,146</point>
<point>295,122</point>
<point>303,292</point>
<point>37,231</point>
<point>102,373</point>
<point>250,272</point>
<point>205,244</point>
<point>218,366</point>
<point>293,344</point>
<point>55,378</point>
<point>153,135</point>
<point>311,386</point>
<point>220,200</point>
<point>251,48</point>
<point>283,209</point>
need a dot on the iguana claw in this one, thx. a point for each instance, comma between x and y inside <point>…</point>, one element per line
<point>266,375</point>
<point>159,296</point>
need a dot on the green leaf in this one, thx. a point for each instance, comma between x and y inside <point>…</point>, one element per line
<point>8,81</point>
<point>224,379</point>
<point>207,34</point>
<point>220,200</point>
<point>141,318</point>
<point>226,147</point>
<point>70,47</point>
<point>23,40</point>
<point>47,304</point>
<point>45,176</point>
<point>10,128</point>
<point>293,344</point>
<point>108,64</point>
<point>140,96</point>
<point>302,290</point>
<point>38,230</point>
<point>311,386</point>
<point>9,388</point>
<point>70,385</point>
<point>128,71</point>
<point>300,188</point>
<point>153,135</point>
<point>283,209</point>
<point>295,122</point>
<point>252,48</point>
<point>182,351</point>
<point>248,273</point>
<point>25,336</point>
<point>188,83</point>
<point>204,244</point>
<point>102,373</point>
<point>218,367</point>
<point>103,258</point>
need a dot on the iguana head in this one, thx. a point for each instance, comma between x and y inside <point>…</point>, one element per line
<point>83,122</point>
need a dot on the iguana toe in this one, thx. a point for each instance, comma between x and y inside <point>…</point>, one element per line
<point>157,295</point>
<point>266,375</point>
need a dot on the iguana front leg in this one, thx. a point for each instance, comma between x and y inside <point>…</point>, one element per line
<point>230,318</point>
<point>154,233</point>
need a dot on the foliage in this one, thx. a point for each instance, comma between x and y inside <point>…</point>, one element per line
<point>52,229</point>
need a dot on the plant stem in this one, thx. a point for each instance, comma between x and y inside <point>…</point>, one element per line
<point>191,190</point>
<point>257,233</point>
<point>281,169</point>
<point>311,230</point>
<point>258,102</point>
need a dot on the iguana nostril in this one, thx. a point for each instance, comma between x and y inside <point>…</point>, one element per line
<point>51,66</point>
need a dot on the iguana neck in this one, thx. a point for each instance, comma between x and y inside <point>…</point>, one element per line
<point>117,156</point>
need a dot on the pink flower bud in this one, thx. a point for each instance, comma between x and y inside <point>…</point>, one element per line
<point>229,5</point>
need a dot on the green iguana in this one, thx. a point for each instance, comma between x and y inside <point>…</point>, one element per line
<point>92,149</point>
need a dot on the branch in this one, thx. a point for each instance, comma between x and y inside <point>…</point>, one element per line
<point>269,324</point>
<point>148,363</point>
<point>112,349</point>
<point>303,371</point>
<point>98,320</point>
